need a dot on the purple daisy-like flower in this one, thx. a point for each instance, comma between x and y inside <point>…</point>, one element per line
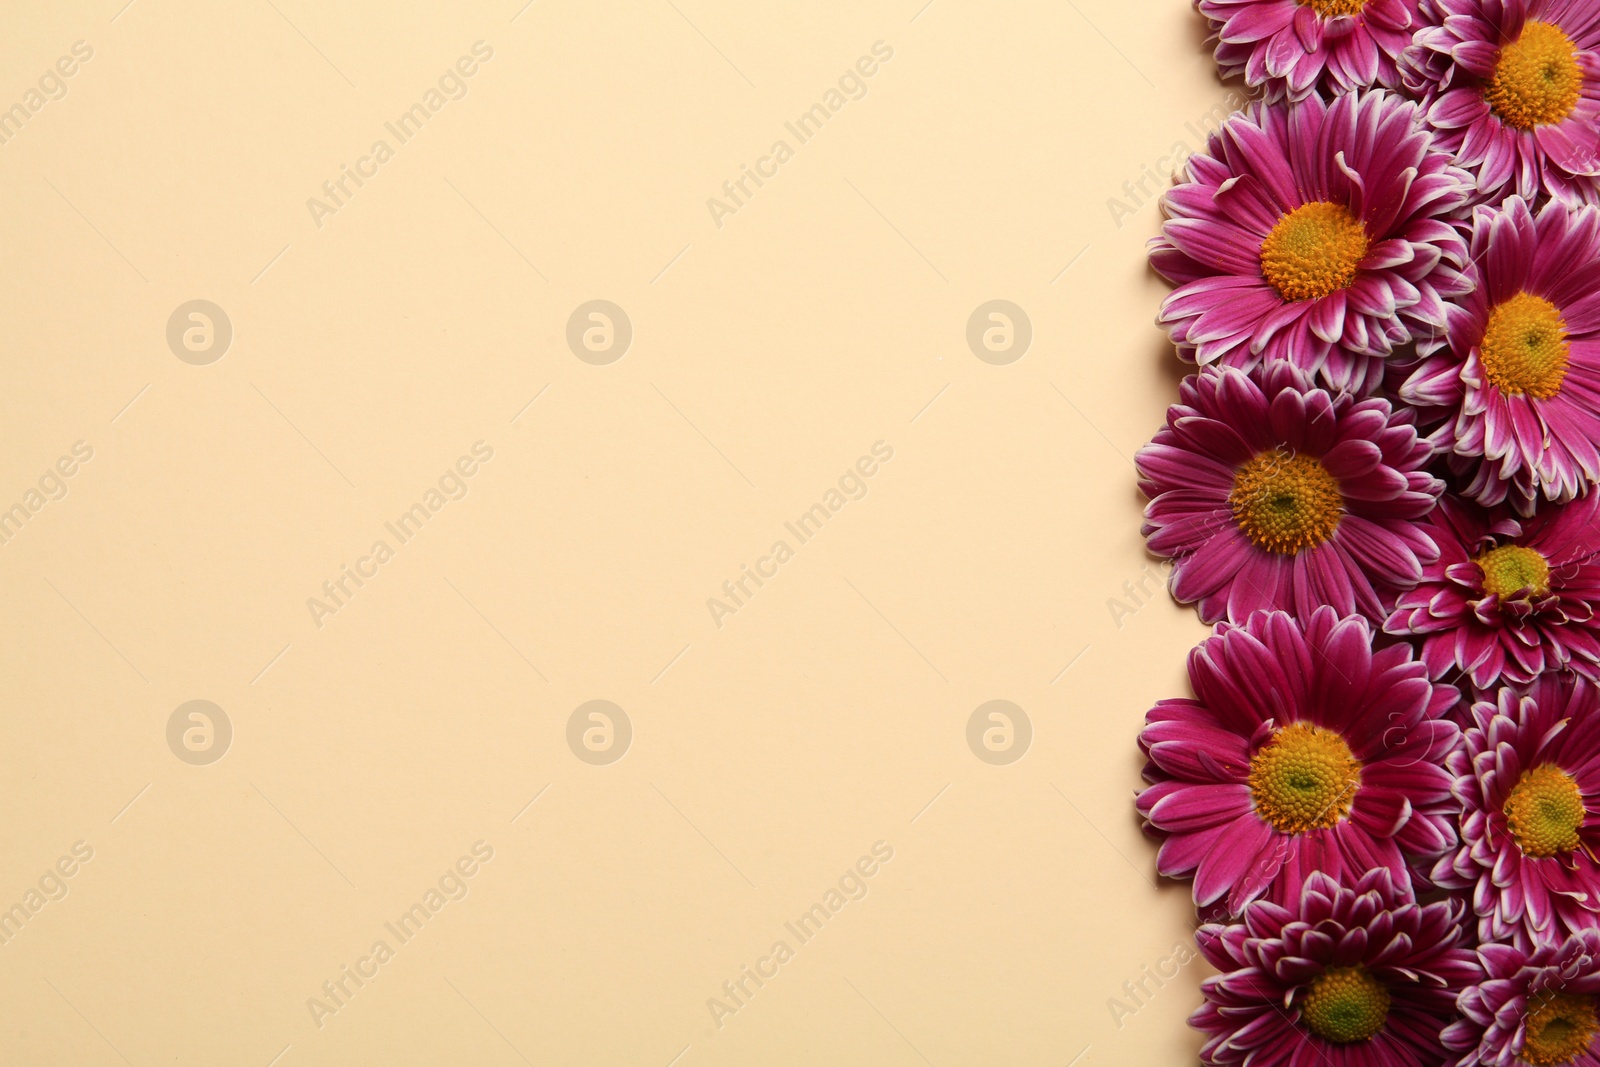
<point>1512,89</point>
<point>1345,976</point>
<point>1302,750</point>
<point>1527,774</point>
<point>1532,1007</point>
<point>1295,47</point>
<point>1314,233</point>
<point>1520,372</point>
<point>1270,493</point>
<point>1508,599</point>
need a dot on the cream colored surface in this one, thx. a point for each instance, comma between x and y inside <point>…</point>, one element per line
<point>428,313</point>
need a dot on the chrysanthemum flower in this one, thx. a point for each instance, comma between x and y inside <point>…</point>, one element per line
<point>1313,233</point>
<point>1508,599</point>
<point>1271,493</point>
<point>1295,47</point>
<point>1355,975</point>
<point>1528,778</point>
<point>1532,1007</point>
<point>1513,90</point>
<point>1520,372</point>
<point>1303,750</point>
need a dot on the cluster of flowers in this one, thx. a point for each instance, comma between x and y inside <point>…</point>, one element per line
<point>1380,486</point>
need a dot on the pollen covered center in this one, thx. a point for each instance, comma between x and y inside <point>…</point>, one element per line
<point>1560,1027</point>
<point>1313,251</point>
<point>1345,1005</point>
<point>1524,347</point>
<point>1330,8</point>
<point>1285,503</point>
<point>1511,569</point>
<point>1536,80</point>
<point>1304,778</point>
<point>1544,812</point>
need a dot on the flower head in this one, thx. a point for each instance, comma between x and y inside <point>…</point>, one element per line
<point>1519,375</point>
<point>1512,89</point>
<point>1533,1006</point>
<point>1295,47</point>
<point>1314,233</point>
<point>1352,975</point>
<point>1271,493</point>
<point>1528,778</point>
<point>1508,599</point>
<point>1302,750</point>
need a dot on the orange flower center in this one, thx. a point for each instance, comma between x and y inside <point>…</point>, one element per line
<point>1559,1028</point>
<point>1536,80</point>
<point>1304,778</point>
<point>1313,251</point>
<point>1285,503</point>
<point>1524,347</point>
<point>1545,811</point>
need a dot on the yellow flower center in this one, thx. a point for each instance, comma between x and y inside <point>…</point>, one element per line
<point>1313,251</point>
<point>1524,347</point>
<point>1285,503</point>
<point>1329,8</point>
<point>1559,1028</point>
<point>1544,812</point>
<point>1536,79</point>
<point>1304,778</point>
<point>1344,1005</point>
<point>1510,569</point>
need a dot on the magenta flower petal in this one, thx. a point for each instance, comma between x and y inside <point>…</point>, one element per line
<point>1470,618</point>
<point>1453,60</point>
<point>1348,975</point>
<point>1303,750</point>
<point>1270,494</point>
<point>1313,233</point>
<point>1287,49</point>
<point>1523,411</point>
<point>1525,1001</point>
<point>1528,747</point>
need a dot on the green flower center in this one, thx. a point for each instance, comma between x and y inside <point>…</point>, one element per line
<point>1536,80</point>
<point>1285,503</point>
<point>1345,1005</point>
<point>1524,347</point>
<point>1544,811</point>
<point>1313,251</point>
<point>1559,1028</point>
<point>1513,569</point>
<point>1304,778</point>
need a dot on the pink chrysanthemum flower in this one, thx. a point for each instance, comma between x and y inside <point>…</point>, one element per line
<point>1356,975</point>
<point>1313,233</point>
<point>1527,774</point>
<point>1508,600</point>
<point>1520,372</point>
<point>1303,750</point>
<point>1512,89</point>
<point>1270,493</point>
<point>1295,47</point>
<point>1532,1007</point>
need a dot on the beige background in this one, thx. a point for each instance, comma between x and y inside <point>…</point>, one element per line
<point>829,713</point>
